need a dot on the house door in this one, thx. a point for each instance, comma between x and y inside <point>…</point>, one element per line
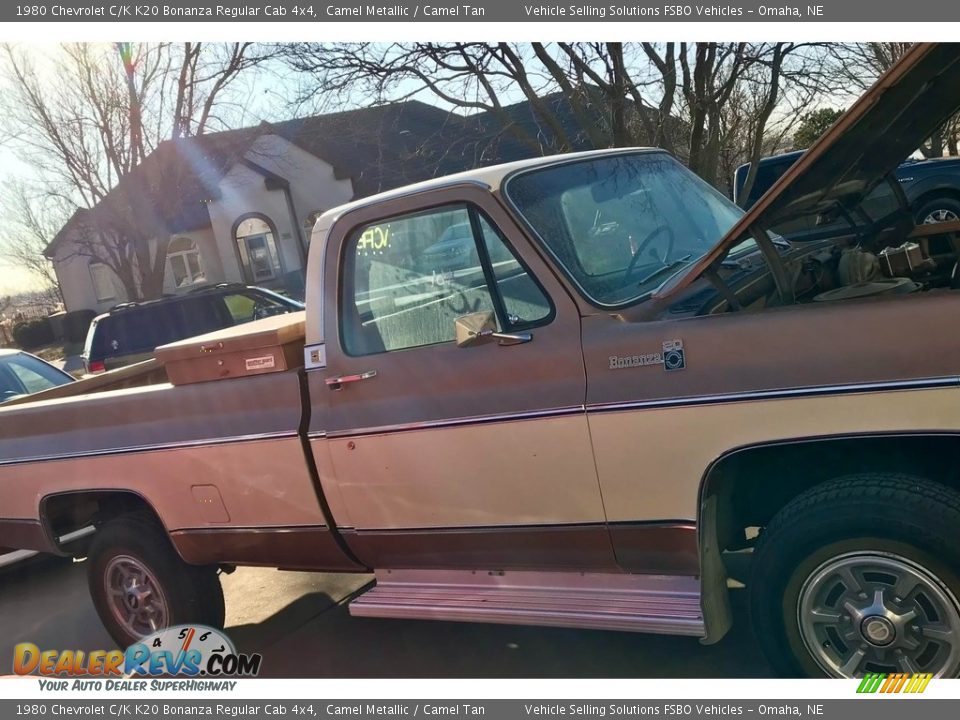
<point>258,251</point>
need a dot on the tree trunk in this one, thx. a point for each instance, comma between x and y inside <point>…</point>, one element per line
<point>756,147</point>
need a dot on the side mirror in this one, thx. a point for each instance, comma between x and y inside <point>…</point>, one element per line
<point>476,327</point>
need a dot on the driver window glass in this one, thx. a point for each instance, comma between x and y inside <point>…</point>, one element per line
<point>407,279</point>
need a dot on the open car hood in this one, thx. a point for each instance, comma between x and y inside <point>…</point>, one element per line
<point>886,124</point>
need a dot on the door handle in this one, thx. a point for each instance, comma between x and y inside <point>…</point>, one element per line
<point>335,383</point>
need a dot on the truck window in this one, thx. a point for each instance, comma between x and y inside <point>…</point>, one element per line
<point>407,279</point>
<point>523,299</point>
<point>620,225</point>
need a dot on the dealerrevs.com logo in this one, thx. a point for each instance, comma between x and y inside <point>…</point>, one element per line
<point>184,651</point>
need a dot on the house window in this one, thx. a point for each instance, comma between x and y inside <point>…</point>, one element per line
<point>184,262</point>
<point>258,249</point>
<point>103,286</point>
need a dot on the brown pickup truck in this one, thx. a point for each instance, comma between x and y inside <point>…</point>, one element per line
<point>563,392</point>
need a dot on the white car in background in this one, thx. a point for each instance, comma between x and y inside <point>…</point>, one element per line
<point>24,374</point>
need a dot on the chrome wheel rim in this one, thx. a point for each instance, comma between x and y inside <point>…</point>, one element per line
<point>939,216</point>
<point>879,612</point>
<point>134,596</point>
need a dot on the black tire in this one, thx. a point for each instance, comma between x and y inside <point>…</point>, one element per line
<point>191,593</point>
<point>879,517</point>
<point>942,203</point>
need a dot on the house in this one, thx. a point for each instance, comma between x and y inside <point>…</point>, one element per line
<point>238,205</point>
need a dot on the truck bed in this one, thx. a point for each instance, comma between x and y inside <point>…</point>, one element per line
<point>220,463</point>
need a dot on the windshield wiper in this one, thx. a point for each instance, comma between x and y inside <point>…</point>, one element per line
<point>670,266</point>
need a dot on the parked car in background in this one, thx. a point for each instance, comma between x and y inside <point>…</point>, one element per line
<point>128,333</point>
<point>932,186</point>
<point>24,374</point>
<point>454,250</point>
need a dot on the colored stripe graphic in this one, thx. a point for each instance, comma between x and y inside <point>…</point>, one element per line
<point>894,683</point>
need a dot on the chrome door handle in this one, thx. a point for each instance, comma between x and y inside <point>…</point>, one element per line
<point>334,383</point>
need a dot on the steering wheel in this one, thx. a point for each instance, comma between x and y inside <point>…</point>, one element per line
<point>264,310</point>
<point>659,230</point>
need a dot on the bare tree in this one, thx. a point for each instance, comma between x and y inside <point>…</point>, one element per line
<point>596,80</point>
<point>93,117</point>
<point>856,66</point>
<point>674,95</point>
<point>31,222</point>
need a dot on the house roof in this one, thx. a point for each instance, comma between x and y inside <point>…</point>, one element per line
<point>386,146</point>
<point>171,186</point>
<point>378,148</point>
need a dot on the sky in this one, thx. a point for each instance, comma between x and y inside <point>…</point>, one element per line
<point>14,279</point>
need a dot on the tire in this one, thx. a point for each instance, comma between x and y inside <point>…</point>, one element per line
<point>946,207</point>
<point>134,551</point>
<point>821,561</point>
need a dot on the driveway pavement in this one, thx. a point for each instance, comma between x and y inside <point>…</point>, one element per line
<point>300,623</point>
<point>70,364</point>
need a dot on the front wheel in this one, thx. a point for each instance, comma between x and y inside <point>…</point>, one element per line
<point>140,585</point>
<point>938,210</point>
<point>859,575</point>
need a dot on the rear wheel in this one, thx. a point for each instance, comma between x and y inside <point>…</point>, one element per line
<point>860,575</point>
<point>937,210</point>
<point>140,585</point>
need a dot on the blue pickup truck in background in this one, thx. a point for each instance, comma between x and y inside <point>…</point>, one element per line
<point>932,186</point>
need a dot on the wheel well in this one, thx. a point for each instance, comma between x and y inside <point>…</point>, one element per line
<point>935,193</point>
<point>751,485</point>
<point>74,512</point>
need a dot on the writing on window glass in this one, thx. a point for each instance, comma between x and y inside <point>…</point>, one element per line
<point>374,240</point>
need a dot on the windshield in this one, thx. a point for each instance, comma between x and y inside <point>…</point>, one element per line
<point>621,225</point>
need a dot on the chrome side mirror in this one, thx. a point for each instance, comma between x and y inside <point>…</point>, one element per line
<point>477,327</point>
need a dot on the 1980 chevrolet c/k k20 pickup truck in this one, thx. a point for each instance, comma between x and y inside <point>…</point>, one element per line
<point>558,392</point>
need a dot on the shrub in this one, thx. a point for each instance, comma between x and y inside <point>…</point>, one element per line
<point>33,333</point>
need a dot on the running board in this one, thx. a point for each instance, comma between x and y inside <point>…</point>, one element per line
<point>639,603</point>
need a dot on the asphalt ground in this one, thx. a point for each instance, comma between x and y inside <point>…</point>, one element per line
<point>300,623</point>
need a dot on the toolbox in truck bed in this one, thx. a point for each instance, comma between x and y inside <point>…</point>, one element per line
<point>273,344</point>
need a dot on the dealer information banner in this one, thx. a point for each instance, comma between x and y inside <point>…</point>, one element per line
<point>875,709</point>
<point>936,11</point>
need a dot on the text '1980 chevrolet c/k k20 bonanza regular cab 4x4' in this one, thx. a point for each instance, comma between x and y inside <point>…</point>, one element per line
<point>569,419</point>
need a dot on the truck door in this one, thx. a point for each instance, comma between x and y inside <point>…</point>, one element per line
<point>439,455</point>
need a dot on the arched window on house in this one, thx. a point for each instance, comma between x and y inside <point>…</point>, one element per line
<point>184,262</point>
<point>257,246</point>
